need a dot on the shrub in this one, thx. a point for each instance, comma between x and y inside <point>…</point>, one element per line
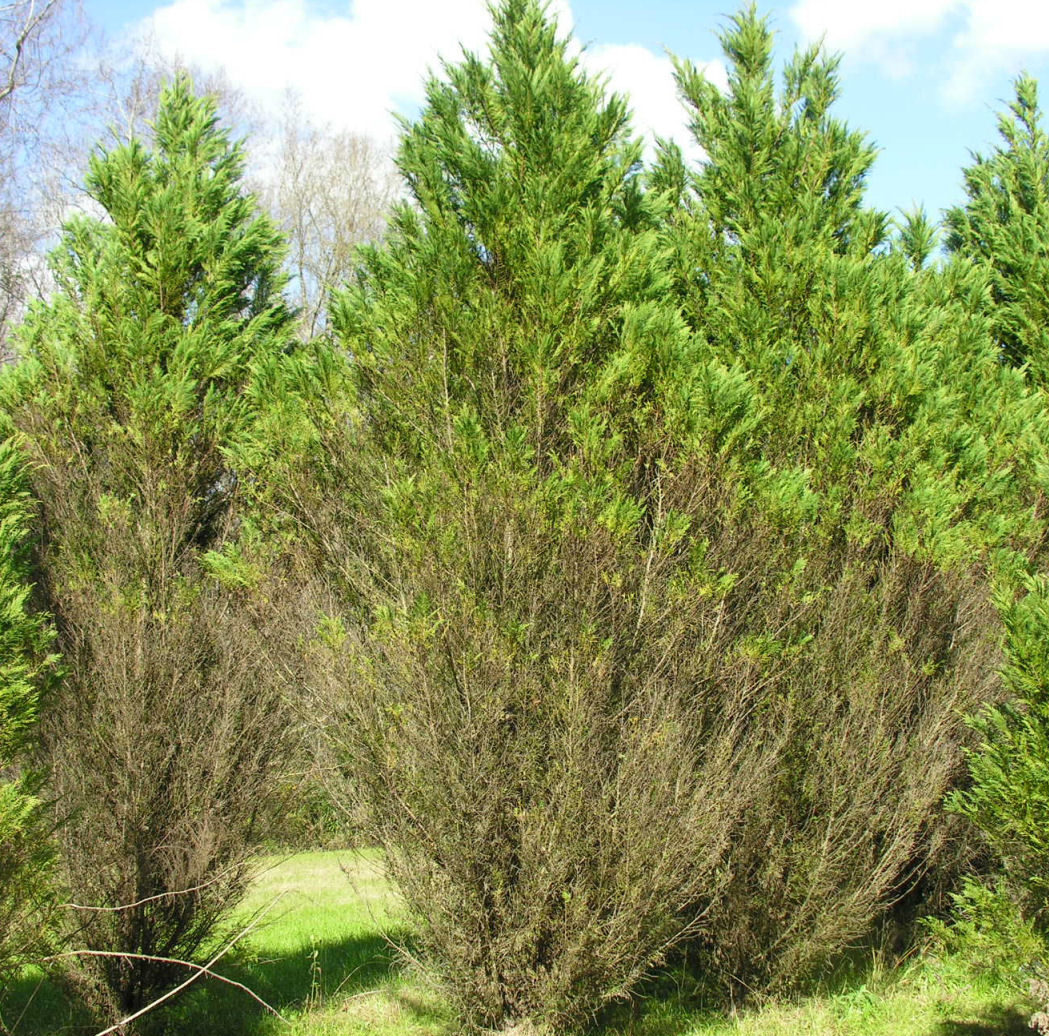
<point>25,848</point>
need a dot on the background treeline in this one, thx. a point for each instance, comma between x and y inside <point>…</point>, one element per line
<point>647,556</point>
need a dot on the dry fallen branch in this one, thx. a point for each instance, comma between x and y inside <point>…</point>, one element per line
<point>198,969</point>
<point>202,969</point>
<point>142,902</point>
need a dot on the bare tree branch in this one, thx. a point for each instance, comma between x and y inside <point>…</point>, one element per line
<point>330,191</point>
<point>15,51</point>
<point>198,969</point>
<point>148,899</point>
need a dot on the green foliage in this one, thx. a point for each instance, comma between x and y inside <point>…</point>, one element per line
<point>1004,228</point>
<point>987,930</point>
<point>781,189</point>
<point>877,387</point>
<point>135,384</point>
<point>25,855</point>
<point>917,238</point>
<point>868,459</point>
<point>1008,798</point>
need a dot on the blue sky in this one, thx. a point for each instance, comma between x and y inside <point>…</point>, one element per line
<point>923,78</point>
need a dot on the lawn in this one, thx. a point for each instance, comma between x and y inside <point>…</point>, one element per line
<point>322,956</point>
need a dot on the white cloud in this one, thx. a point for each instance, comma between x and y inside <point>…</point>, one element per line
<point>350,67</point>
<point>851,26</point>
<point>982,37</point>
<point>997,36</point>
<point>354,62</point>
<point>648,81</point>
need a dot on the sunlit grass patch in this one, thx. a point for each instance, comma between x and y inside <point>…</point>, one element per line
<point>324,955</point>
<point>925,997</point>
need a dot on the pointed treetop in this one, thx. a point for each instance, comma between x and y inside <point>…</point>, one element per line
<point>1004,227</point>
<point>776,157</point>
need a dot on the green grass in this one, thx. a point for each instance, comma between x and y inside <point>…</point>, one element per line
<point>323,957</point>
<point>926,998</point>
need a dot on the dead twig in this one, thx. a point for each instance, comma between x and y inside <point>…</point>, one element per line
<point>142,902</point>
<point>198,969</point>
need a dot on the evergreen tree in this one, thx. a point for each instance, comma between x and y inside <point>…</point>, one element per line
<point>871,458</point>
<point>518,677</point>
<point>780,189</point>
<point>136,382</point>
<point>1004,228</point>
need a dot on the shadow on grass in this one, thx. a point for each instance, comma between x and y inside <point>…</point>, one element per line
<point>35,1005</point>
<point>323,971</point>
<point>998,1021</point>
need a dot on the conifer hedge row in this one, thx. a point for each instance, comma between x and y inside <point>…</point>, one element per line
<point>631,548</point>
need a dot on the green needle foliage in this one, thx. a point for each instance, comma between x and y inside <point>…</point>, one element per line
<point>1004,229</point>
<point>781,188</point>
<point>1009,795</point>
<point>869,458</point>
<point>167,733</point>
<point>25,851</point>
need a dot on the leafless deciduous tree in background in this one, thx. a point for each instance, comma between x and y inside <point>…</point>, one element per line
<point>39,81</point>
<point>330,190</point>
<point>23,24</point>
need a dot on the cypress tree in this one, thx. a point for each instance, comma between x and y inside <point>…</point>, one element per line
<point>658,527</point>
<point>999,239</point>
<point>516,664</point>
<point>135,385</point>
<point>872,463</point>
